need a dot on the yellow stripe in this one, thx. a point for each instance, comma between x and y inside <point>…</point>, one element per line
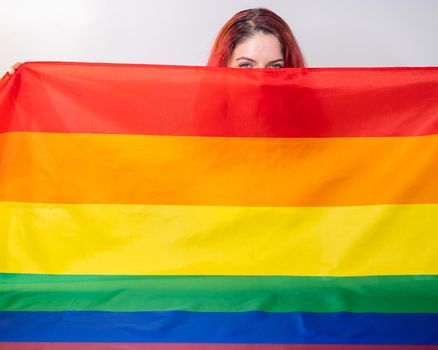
<point>192,240</point>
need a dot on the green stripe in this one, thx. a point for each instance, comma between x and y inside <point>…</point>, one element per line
<point>407,294</point>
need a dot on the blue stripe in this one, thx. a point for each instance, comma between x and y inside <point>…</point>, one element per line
<point>219,327</point>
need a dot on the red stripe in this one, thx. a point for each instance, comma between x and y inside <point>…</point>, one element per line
<point>178,346</point>
<point>172,100</point>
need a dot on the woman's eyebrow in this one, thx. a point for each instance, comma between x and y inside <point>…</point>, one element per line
<point>251,60</point>
<point>280,59</point>
<point>245,58</point>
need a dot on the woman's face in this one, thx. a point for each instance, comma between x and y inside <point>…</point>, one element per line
<point>260,51</point>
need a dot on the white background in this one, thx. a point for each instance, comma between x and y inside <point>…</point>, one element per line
<point>331,32</point>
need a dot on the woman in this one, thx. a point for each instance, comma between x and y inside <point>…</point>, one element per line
<point>256,38</point>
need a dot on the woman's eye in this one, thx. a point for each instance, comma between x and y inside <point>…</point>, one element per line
<point>277,65</point>
<point>244,65</point>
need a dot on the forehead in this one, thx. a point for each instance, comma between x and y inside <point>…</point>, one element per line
<point>260,47</point>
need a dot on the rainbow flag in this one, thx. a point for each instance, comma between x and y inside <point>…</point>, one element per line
<point>176,207</point>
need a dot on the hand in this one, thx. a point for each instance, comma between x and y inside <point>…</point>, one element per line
<point>14,67</point>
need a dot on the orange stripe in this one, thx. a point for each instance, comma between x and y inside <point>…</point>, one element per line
<point>98,168</point>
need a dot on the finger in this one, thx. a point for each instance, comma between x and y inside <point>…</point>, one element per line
<point>14,67</point>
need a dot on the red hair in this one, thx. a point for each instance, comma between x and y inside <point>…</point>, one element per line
<point>243,25</point>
